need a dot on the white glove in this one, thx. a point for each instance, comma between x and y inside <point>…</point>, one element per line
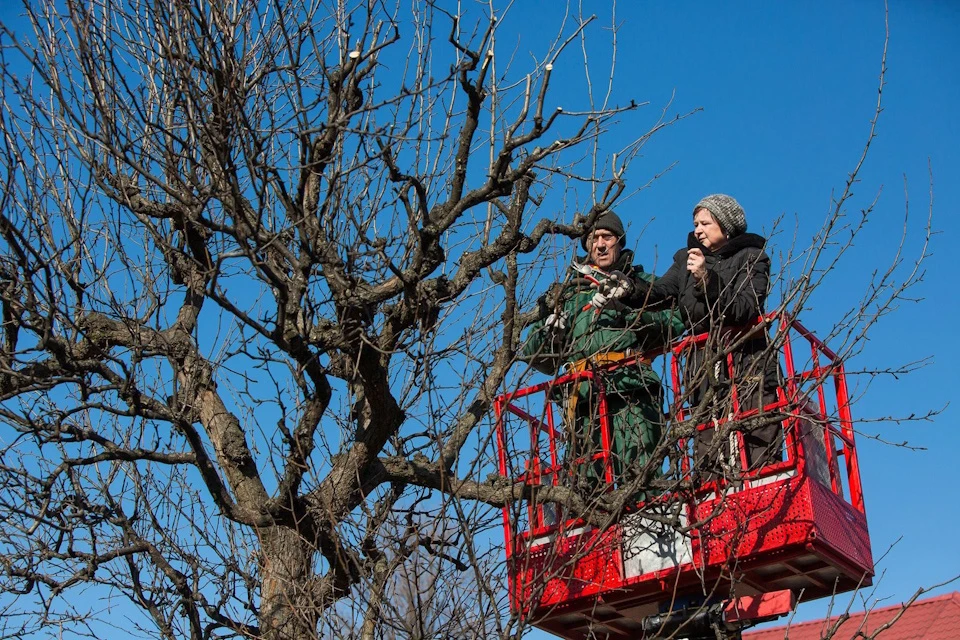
<point>620,290</point>
<point>615,287</point>
<point>556,322</point>
<point>599,301</point>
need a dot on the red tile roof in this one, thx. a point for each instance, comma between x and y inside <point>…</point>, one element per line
<point>932,619</point>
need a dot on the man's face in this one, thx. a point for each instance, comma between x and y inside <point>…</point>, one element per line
<point>604,248</point>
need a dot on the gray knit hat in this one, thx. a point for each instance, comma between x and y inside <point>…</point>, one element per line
<point>726,211</point>
<point>608,221</point>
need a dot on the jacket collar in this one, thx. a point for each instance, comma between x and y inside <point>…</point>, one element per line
<point>732,246</point>
<point>624,263</point>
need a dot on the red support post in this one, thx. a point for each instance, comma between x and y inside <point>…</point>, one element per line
<point>849,445</point>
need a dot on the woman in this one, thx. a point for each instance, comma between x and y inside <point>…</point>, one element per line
<point>719,281</point>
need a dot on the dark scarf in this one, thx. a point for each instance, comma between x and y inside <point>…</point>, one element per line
<point>732,246</point>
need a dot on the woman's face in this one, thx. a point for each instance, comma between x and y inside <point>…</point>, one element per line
<point>708,231</point>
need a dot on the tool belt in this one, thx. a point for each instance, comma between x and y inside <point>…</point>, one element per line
<point>597,360</point>
<point>601,360</point>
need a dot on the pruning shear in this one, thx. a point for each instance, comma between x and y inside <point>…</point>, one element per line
<point>590,272</point>
<point>595,276</point>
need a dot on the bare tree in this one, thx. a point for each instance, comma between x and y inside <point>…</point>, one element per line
<point>245,250</point>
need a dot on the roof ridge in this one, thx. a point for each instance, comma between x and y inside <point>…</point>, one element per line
<point>916,603</point>
<point>858,618</point>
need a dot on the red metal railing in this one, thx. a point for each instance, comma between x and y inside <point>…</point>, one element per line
<point>812,399</point>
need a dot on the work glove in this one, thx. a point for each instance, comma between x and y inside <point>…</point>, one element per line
<point>556,323</point>
<point>615,286</point>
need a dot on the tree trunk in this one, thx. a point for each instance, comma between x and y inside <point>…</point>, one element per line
<point>287,610</point>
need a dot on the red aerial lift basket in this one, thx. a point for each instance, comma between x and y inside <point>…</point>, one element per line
<point>794,528</point>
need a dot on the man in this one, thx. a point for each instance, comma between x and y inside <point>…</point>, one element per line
<point>588,327</point>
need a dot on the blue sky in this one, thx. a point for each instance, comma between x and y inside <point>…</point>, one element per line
<point>788,91</point>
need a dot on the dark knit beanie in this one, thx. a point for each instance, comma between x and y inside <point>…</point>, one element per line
<point>608,221</point>
<point>726,211</point>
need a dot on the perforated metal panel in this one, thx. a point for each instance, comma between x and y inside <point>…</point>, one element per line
<point>841,529</point>
<point>571,567</point>
<point>748,523</point>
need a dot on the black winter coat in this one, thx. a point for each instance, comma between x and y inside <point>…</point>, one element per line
<point>738,276</point>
